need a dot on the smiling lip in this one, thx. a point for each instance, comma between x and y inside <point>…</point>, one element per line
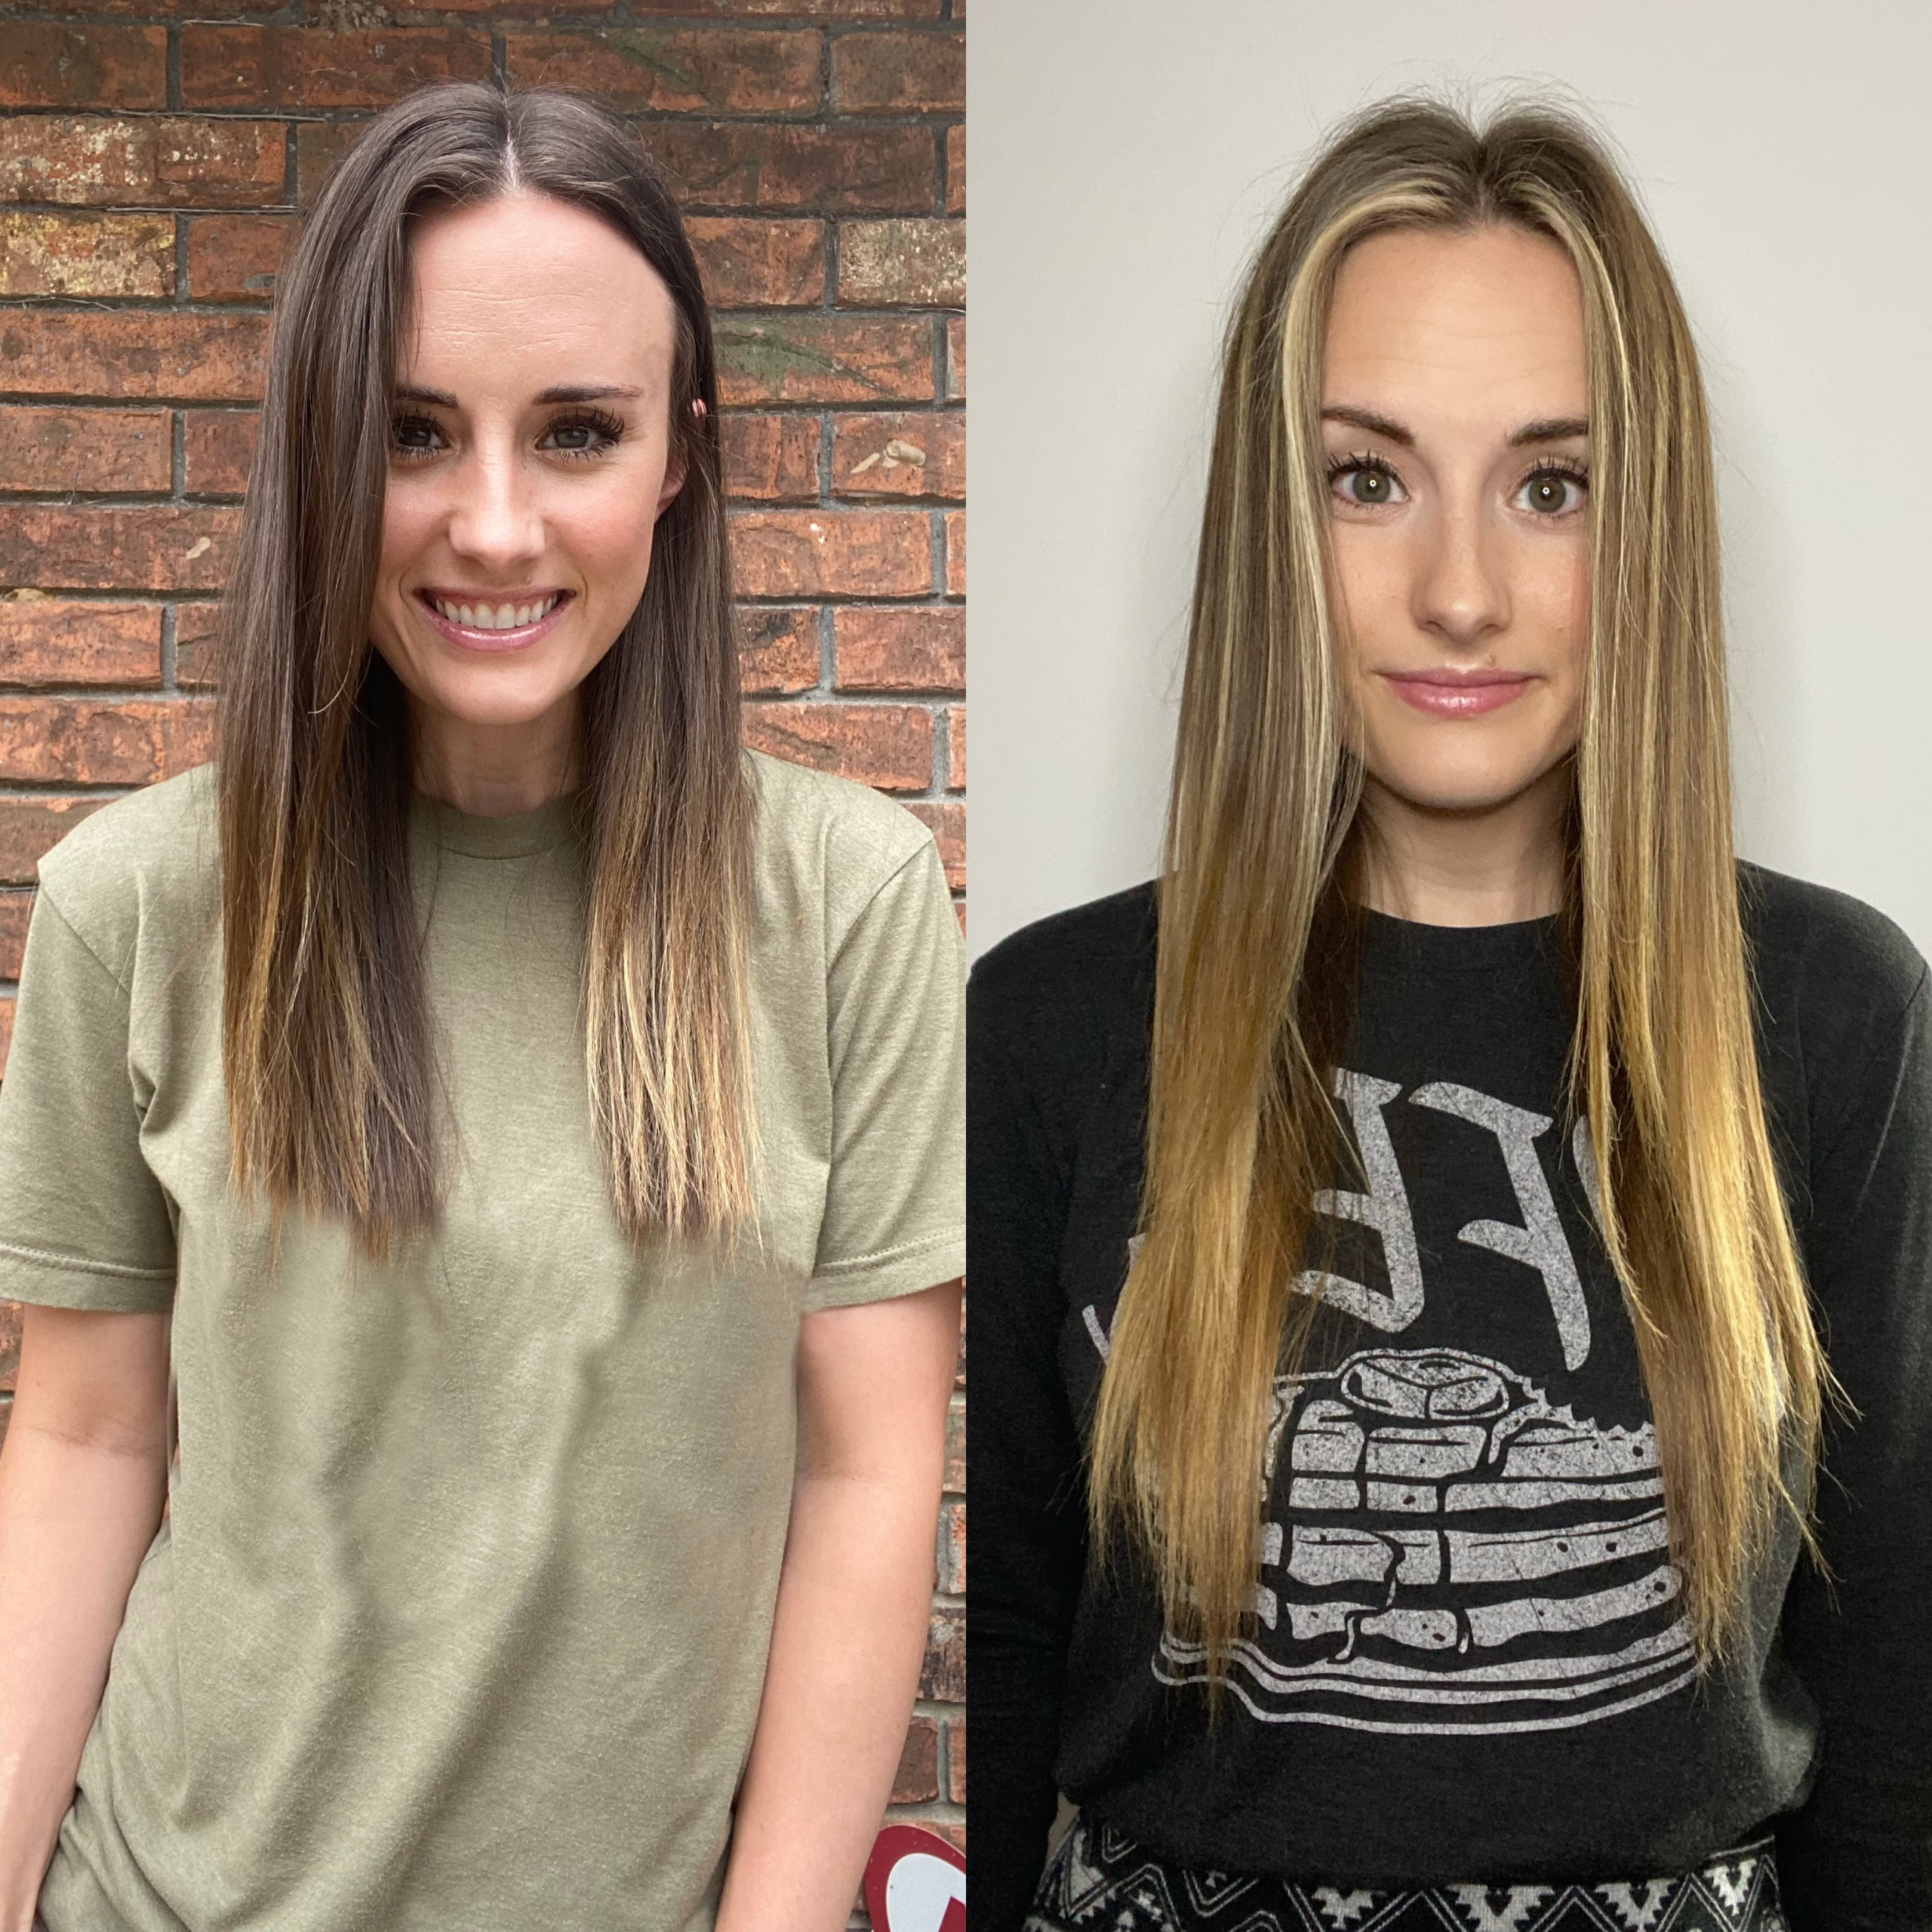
<point>1445,693</point>
<point>469,638</point>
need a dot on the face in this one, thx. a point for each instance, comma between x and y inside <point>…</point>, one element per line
<point>1454,406</point>
<point>528,464</point>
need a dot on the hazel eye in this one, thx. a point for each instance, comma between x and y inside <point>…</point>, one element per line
<point>1553,492</point>
<point>1367,483</point>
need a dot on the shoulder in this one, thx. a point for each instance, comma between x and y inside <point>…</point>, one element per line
<point>148,863</point>
<point>826,841</point>
<point>1839,990</point>
<point>1069,988</point>
<point>1817,953</point>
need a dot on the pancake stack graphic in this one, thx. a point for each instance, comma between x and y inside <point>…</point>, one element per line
<point>1452,1554</point>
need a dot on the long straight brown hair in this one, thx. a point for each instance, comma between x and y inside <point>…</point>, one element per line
<point>332,1094</point>
<point>1253,986</point>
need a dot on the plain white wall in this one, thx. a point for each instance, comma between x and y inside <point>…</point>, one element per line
<point>1127,155</point>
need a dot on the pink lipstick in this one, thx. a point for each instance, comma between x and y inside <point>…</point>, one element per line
<point>475,637</point>
<point>1446,694</point>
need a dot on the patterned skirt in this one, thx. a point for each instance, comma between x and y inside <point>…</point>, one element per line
<point>1099,1880</point>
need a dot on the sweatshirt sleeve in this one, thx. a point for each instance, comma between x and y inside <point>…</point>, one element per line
<point>1029,1536</point>
<point>1857,1856</point>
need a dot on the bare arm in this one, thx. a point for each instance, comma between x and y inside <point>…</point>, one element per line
<point>853,1605</point>
<point>82,1477</point>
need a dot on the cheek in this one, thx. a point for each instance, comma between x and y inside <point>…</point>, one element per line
<point>1369,587</point>
<point>408,520</point>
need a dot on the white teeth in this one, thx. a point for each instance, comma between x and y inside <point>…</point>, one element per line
<point>501,617</point>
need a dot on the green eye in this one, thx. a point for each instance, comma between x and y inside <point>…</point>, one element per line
<point>1553,491</point>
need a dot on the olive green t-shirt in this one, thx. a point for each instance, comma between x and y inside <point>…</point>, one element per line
<point>459,1613</point>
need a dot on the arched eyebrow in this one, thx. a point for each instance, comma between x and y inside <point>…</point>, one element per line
<point>1545,429</point>
<point>1550,429</point>
<point>563,392</point>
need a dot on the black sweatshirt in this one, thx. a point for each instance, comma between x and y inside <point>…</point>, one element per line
<point>1470,1662</point>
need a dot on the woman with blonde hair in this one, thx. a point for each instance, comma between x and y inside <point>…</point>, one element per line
<point>485,1153</point>
<point>1407,1238</point>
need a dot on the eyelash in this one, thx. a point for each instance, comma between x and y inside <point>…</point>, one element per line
<point>609,427</point>
<point>1566,467</point>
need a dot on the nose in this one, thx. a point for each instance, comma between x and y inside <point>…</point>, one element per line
<point>495,519</point>
<point>1461,589</point>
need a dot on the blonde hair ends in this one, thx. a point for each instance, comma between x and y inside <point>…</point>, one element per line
<point>1261,847</point>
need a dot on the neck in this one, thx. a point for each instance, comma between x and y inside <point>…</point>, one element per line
<point>1487,867</point>
<point>496,771</point>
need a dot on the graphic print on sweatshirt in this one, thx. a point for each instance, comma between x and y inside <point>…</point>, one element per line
<point>1444,1548</point>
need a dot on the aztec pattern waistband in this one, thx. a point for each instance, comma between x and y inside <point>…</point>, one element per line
<point>1100,1880</point>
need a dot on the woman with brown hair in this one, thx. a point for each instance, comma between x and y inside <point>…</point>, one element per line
<point>1407,1239</point>
<point>486,1151</point>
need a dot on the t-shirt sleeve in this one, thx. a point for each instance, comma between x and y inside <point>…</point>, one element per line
<point>895,1210</point>
<point>1857,1856</point>
<point>83,1223</point>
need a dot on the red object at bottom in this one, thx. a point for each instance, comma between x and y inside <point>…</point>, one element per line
<point>915,1881</point>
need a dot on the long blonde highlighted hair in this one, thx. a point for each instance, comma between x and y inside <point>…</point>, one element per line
<point>1254,984</point>
<point>327,1049</point>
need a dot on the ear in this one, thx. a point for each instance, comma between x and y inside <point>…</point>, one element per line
<point>674,470</point>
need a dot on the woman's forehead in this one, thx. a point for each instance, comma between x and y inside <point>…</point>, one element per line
<point>1489,318</point>
<point>524,284</point>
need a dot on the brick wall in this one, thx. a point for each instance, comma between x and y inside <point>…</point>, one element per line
<point>153,166</point>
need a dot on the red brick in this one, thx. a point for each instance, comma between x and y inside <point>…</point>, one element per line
<point>6,1401</point>
<point>942,1677</point>
<point>280,68</point>
<point>146,353</point>
<point>955,358</point>
<point>87,741</point>
<point>147,9</point>
<point>888,745</point>
<point>818,553</point>
<point>29,825</point>
<point>779,655</point>
<point>196,665</point>
<point>750,262</point>
<point>956,1449</point>
<point>6,1041</point>
<point>849,10</point>
<point>916,1781</point>
<point>906,263</point>
<point>955,1760</point>
<point>48,65</point>
<point>874,73</point>
<point>956,169</point>
<point>771,459</point>
<point>235,257</point>
<point>10,1335</point>
<point>956,747</point>
<point>674,70</point>
<point>768,164</point>
<point>823,359</point>
<point>16,908</point>
<point>900,455</point>
<point>120,450</point>
<point>319,145</point>
<point>956,553</point>
<point>946,821</point>
<point>86,254</point>
<point>165,162</point>
<point>922,649</point>
<point>60,640</point>
<point>217,445</point>
<point>159,547</point>
<point>951,1565</point>
<point>537,11</point>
